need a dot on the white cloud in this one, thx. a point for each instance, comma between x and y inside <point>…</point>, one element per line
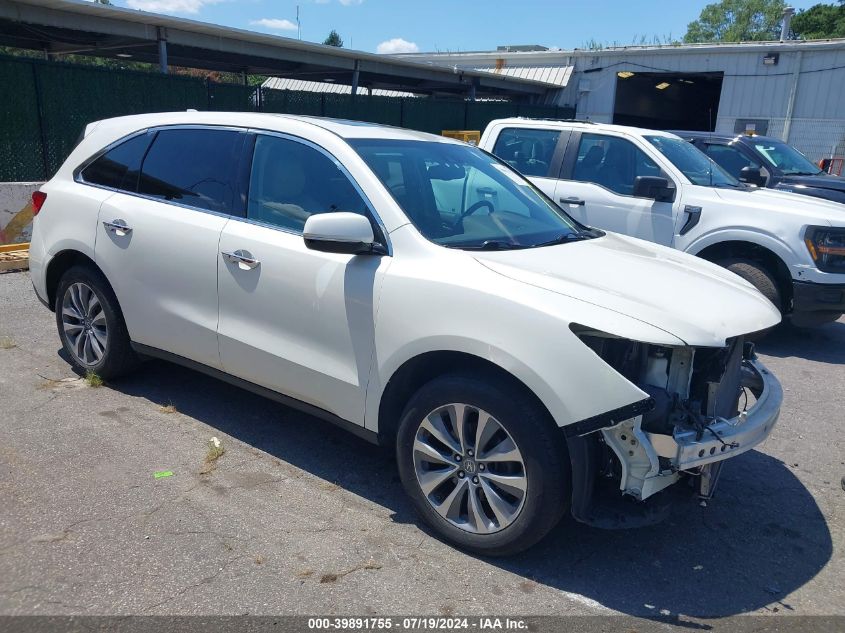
<point>348,3</point>
<point>275,24</point>
<point>170,6</point>
<point>397,45</point>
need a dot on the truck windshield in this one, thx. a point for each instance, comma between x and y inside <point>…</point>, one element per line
<point>461,197</point>
<point>692,162</point>
<point>786,158</point>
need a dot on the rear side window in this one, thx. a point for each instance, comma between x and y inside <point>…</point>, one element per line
<point>196,167</point>
<point>527,151</point>
<point>291,181</point>
<point>119,167</point>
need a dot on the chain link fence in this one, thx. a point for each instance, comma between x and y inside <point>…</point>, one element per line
<point>49,104</point>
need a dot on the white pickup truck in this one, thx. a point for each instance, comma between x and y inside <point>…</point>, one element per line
<point>655,186</point>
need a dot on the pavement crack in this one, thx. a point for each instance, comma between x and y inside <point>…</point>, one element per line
<point>203,581</point>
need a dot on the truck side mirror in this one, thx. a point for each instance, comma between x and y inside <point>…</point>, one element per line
<point>656,188</point>
<point>752,176</point>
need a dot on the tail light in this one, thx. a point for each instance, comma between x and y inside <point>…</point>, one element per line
<point>38,198</point>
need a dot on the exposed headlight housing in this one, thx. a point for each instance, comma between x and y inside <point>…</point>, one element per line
<point>827,247</point>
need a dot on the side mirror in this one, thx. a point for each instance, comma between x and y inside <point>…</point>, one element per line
<point>752,176</point>
<point>340,232</point>
<point>654,187</point>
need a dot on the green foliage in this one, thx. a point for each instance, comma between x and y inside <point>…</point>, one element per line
<point>821,21</point>
<point>333,39</point>
<point>737,21</point>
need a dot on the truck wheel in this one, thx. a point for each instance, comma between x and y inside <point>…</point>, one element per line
<point>91,325</point>
<point>484,465</point>
<point>754,273</point>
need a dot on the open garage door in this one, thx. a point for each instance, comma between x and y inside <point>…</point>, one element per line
<point>667,101</point>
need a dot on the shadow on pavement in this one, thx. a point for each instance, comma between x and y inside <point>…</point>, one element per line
<point>823,344</point>
<point>760,539</point>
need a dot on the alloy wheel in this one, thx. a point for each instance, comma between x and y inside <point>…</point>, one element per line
<point>84,324</point>
<point>469,468</point>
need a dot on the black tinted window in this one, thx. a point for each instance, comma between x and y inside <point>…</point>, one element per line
<point>730,159</point>
<point>119,166</point>
<point>196,167</point>
<point>527,151</point>
<point>612,162</point>
<point>291,181</point>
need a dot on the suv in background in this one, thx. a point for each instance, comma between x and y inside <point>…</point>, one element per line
<point>656,186</point>
<point>416,291</point>
<point>768,162</point>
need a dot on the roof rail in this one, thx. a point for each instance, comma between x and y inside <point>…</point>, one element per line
<point>543,118</point>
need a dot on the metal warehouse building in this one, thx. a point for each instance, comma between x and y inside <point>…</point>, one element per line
<point>792,90</point>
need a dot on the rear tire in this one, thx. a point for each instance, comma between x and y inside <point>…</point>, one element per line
<point>510,486</point>
<point>91,325</point>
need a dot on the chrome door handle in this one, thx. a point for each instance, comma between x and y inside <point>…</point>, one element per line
<point>573,200</point>
<point>118,227</point>
<point>243,259</point>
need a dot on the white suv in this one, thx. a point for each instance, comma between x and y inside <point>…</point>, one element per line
<point>418,292</point>
<point>655,186</point>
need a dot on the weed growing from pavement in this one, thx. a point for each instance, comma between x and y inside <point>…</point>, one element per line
<point>170,408</point>
<point>7,342</point>
<point>93,379</point>
<point>215,450</point>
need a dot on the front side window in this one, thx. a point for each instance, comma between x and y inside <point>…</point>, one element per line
<point>786,158</point>
<point>291,181</point>
<point>118,168</point>
<point>731,159</point>
<point>612,162</point>
<point>692,162</point>
<point>461,197</point>
<point>529,151</point>
<point>196,167</point>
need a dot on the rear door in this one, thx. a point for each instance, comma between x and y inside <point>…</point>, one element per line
<point>597,185</point>
<point>536,153</point>
<point>295,320</point>
<point>157,239</point>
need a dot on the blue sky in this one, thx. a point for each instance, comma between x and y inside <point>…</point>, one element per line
<point>406,26</point>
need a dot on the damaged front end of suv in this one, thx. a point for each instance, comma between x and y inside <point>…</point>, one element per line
<point>703,405</point>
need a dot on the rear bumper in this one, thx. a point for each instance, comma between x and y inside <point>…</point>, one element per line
<point>727,438</point>
<point>813,297</point>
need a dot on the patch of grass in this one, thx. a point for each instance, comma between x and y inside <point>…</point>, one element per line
<point>93,379</point>
<point>215,450</point>
<point>259,560</point>
<point>7,342</point>
<point>170,408</point>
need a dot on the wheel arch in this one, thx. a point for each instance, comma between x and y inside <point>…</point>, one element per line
<point>58,265</point>
<point>742,249</point>
<point>424,367</point>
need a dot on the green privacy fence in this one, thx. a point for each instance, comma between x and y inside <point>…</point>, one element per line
<point>47,105</point>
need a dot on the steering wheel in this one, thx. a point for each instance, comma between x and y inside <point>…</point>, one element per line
<point>477,206</point>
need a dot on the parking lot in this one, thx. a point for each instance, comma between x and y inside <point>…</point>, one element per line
<point>298,517</point>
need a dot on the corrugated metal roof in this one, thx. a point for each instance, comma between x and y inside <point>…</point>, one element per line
<point>557,75</point>
<point>281,83</point>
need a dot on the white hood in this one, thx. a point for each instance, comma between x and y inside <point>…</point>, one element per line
<point>694,300</point>
<point>809,210</point>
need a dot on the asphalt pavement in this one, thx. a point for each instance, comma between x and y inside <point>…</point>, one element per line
<point>298,517</point>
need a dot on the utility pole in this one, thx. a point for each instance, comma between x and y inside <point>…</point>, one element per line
<point>298,25</point>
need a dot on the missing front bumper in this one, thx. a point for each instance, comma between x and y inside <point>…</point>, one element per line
<point>651,461</point>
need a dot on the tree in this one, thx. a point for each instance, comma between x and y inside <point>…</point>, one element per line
<point>737,21</point>
<point>821,21</point>
<point>333,39</point>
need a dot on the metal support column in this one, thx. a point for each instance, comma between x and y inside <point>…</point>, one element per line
<point>355,76</point>
<point>162,50</point>
<point>793,92</point>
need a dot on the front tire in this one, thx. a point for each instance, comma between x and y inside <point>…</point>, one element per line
<point>91,325</point>
<point>483,463</point>
<point>758,276</point>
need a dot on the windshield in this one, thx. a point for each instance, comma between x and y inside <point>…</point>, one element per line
<point>692,162</point>
<point>786,158</point>
<point>459,196</point>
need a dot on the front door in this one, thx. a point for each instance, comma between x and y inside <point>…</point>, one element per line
<point>599,191</point>
<point>298,321</point>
